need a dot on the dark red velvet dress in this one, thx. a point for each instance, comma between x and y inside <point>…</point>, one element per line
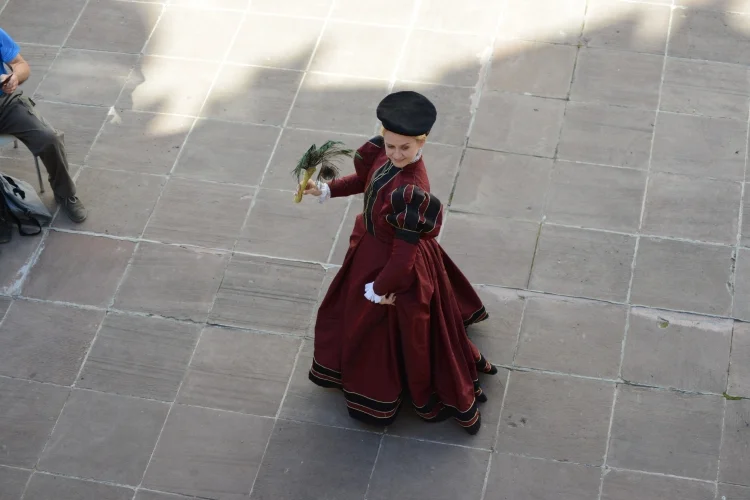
<point>378,354</point>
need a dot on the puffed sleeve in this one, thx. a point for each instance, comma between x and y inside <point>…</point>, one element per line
<point>414,214</point>
<point>363,160</point>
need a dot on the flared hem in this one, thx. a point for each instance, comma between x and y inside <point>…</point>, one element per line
<point>384,413</point>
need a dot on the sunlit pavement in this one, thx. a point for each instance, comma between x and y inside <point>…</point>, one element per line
<point>596,197</point>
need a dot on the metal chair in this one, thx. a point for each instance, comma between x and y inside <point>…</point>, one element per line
<point>6,139</point>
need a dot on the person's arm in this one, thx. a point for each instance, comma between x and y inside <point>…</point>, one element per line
<point>21,69</point>
<point>10,54</point>
<point>348,185</point>
<point>363,160</point>
<point>351,184</point>
<point>414,214</point>
<point>397,275</point>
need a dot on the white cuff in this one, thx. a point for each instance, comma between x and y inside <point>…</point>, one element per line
<point>325,192</point>
<point>371,295</point>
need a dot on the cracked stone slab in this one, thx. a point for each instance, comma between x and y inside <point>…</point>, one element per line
<point>517,477</point>
<point>739,368</point>
<point>268,294</point>
<point>141,357</point>
<point>617,77</point>
<point>571,336</point>
<point>407,468</point>
<point>45,486</point>
<point>513,239</point>
<point>735,450</point>
<point>732,492</point>
<point>502,184</point>
<point>78,268</point>
<point>311,461</point>
<point>625,485</point>
<point>659,343</point>
<point>172,281</point>
<point>676,206</point>
<point>556,417</point>
<point>649,429</point>
<point>239,371</point>
<point>683,276</point>
<point>46,342</point>
<point>583,263</point>
<point>208,453</point>
<point>13,482</point>
<point>706,88</point>
<point>607,135</point>
<point>30,410</point>
<point>700,146</point>
<point>595,196</point>
<point>613,24</point>
<point>104,437</point>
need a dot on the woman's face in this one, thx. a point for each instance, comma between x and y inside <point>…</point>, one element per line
<point>401,149</point>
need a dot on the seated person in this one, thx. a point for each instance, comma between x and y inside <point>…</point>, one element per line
<point>19,117</point>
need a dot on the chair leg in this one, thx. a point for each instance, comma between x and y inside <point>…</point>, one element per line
<point>39,175</point>
<point>15,144</point>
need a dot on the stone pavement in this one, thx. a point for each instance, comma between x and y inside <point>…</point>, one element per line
<point>594,155</point>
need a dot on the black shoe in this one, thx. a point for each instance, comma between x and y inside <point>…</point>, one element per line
<point>73,208</point>
<point>484,366</point>
<point>474,428</point>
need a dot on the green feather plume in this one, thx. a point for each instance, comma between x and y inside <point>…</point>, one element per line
<point>323,157</point>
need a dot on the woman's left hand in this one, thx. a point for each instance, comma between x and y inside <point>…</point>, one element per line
<point>388,300</point>
<point>385,300</point>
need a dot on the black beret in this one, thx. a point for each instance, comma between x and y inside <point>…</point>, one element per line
<point>407,113</point>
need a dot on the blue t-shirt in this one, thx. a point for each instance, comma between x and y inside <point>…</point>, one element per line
<point>9,49</point>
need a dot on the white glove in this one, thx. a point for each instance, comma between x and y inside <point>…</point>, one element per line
<point>325,192</point>
<point>371,295</point>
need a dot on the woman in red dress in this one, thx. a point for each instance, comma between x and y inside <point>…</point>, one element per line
<point>394,319</point>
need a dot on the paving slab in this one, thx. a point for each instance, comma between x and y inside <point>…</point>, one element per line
<point>208,453</point>
<point>705,88</point>
<point>617,78</point>
<point>672,208</point>
<point>104,437</point>
<point>556,417</point>
<point>572,336</point>
<point>308,461</point>
<point>502,184</point>
<point>595,197</point>
<point>46,342</point>
<point>138,356</point>
<point>739,375</point>
<point>161,349</point>
<point>409,467</point>
<point>639,441</point>
<point>606,135</point>
<point>583,263</point>
<point>619,485</point>
<point>521,477</point>
<point>100,77</point>
<point>239,371</point>
<point>659,343</point>
<point>79,269</point>
<point>172,281</point>
<point>120,203</point>
<point>13,482</point>
<point>48,486</point>
<point>735,448</point>
<point>30,410</point>
<point>624,34</point>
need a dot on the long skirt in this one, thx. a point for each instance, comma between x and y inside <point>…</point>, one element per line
<point>379,354</point>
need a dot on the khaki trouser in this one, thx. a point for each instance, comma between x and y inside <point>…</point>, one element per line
<point>21,119</point>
